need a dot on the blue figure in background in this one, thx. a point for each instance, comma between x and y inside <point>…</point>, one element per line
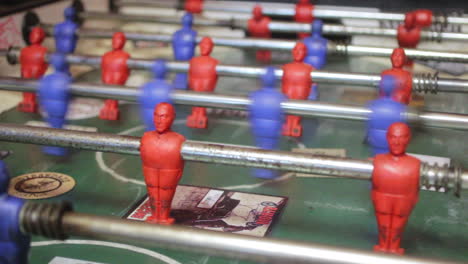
<point>316,52</point>
<point>65,33</point>
<point>184,42</point>
<point>266,117</point>
<point>385,112</point>
<point>14,246</point>
<point>316,46</point>
<point>54,97</point>
<point>154,92</point>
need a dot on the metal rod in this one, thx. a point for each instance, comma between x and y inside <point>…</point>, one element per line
<point>431,175</point>
<point>296,107</point>
<point>193,151</point>
<point>288,10</point>
<point>58,221</point>
<point>269,250</point>
<point>278,26</point>
<point>276,44</point>
<point>421,83</point>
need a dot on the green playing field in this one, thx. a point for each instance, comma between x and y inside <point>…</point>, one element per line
<point>329,211</point>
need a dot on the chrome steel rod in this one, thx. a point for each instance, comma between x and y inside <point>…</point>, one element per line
<point>58,221</point>
<point>296,107</point>
<point>264,250</point>
<point>431,175</point>
<point>288,10</point>
<point>278,26</point>
<point>421,83</point>
<point>276,44</point>
<point>193,151</point>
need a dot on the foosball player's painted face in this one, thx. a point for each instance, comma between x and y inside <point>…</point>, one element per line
<point>398,58</point>
<point>299,52</point>
<point>37,35</point>
<point>206,46</point>
<point>118,41</point>
<point>398,137</point>
<point>164,115</point>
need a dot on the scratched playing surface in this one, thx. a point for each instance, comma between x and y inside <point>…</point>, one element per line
<point>330,211</point>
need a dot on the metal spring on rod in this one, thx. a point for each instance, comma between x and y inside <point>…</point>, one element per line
<point>340,47</point>
<point>435,176</point>
<point>426,83</point>
<point>44,219</point>
<point>443,177</point>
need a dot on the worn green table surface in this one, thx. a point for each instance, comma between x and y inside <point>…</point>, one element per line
<point>330,211</point>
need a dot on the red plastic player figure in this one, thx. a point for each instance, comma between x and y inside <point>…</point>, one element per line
<point>202,78</point>
<point>401,93</point>
<point>162,163</point>
<point>296,84</point>
<point>258,27</point>
<point>304,14</point>
<point>395,189</point>
<point>194,6</point>
<point>114,71</point>
<point>33,66</point>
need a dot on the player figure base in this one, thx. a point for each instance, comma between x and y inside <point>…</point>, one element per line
<point>399,251</point>
<point>55,151</point>
<point>197,121</point>
<point>154,220</point>
<point>109,114</point>
<point>28,107</point>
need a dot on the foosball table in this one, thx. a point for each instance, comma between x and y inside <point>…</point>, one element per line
<point>232,132</point>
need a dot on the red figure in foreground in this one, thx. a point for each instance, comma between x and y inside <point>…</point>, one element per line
<point>402,92</point>
<point>202,78</point>
<point>114,71</point>
<point>258,28</point>
<point>395,189</point>
<point>304,10</point>
<point>296,84</point>
<point>162,163</point>
<point>33,66</point>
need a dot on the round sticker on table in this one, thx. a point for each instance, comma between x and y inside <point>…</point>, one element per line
<point>40,185</point>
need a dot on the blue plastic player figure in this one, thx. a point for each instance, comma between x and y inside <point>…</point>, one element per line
<point>267,117</point>
<point>54,97</point>
<point>14,246</point>
<point>183,45</point>
<point>316,52</point>
<point>316,46</point>
<point>385,111</point>
<point>154,92</point>
<point>65,32</point>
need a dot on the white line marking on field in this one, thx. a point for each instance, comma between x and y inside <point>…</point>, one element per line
<point>143,251</point>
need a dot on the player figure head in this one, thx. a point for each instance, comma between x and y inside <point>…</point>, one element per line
<point>398,137</point>
<point>257,12</point>
<point>206,46</point>
<point>269,78</point>
<point>303,1</point>
<point>164,115</point>
<point>299,52</point>
<point>410,20</point>
<point>187,20</point>
<point>398,58</point>
<point>317,26</point>
<point>69,13</point>
<point>118,40</point>
<point>37,35</point>
<point>59,62</point>
<point>159,69</point>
